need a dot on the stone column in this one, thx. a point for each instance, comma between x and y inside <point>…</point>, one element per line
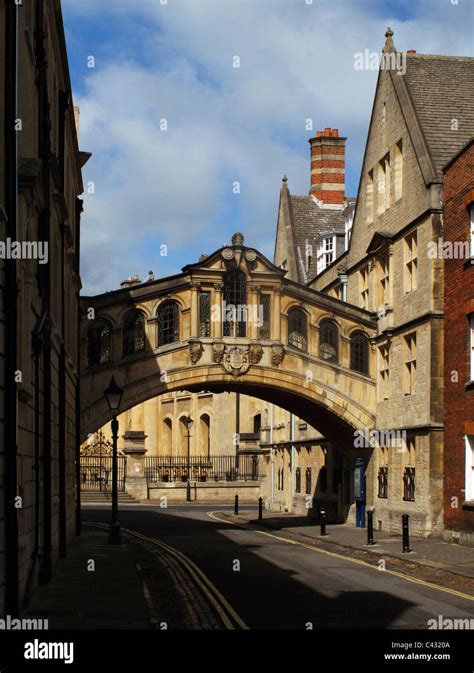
<point>276,314</point>
<point>253,315</point>
<point>134,450</point>
<point>194,310</point>
<point>216,331</point>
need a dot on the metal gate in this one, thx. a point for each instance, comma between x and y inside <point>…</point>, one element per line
<point>96,473</point>
<point>96,465</point>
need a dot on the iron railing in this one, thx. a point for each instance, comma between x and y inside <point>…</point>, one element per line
<point>201,468</point>
<point>96,473</point>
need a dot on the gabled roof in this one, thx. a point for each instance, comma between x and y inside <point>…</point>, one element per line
<point>239,252</point>
<point>440,88</point>
<point>308,222</point>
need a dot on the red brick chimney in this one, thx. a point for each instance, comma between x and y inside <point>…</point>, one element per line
<point>328,166</point>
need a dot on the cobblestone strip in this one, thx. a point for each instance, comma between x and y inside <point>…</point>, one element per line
<point>181,605</point>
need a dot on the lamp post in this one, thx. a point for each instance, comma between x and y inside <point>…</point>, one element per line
<point>113,395</point>
<point>188,421</point>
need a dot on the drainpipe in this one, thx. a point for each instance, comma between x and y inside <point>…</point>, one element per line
<point>11,309</point>
<point>292,459</point>
<point>237,429</point>
<point>37,343</point>
<point>343,281</point>
<point>272,454</point>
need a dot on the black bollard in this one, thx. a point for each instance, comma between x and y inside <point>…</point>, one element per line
<point>236,505</point>
<point>323,522</point>
<point>260,508</point>
<point>406,533</point>
<point>370,527</point>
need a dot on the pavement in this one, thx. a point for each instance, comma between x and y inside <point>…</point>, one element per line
<point>83,592</point>
<point>432,552</point>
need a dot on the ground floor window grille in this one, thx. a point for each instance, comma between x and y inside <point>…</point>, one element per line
<point>383,482</point>
<point>409,484</point>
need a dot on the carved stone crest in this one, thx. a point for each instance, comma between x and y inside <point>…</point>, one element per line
<point>217,352</point>
<point>236,360</point>
<point>255,355</point>
<point>277,355</point>
<point>195,351</point>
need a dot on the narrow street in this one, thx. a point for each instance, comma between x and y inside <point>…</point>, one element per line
<point>271,583</point>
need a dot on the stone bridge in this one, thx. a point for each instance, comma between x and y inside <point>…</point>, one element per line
<point>231,322</point>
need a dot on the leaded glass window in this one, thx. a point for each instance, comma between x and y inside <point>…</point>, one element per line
<point>328,341</point>
<point>133,333</point>
<point>98,344</point>
<point>297,329</point>
<point>168,323</point>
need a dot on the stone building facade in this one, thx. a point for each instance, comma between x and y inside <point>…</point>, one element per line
<point>458,250</point>
<point>39,343</point>
<point>416,125</point>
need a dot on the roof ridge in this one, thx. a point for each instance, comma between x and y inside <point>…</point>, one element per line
<point>440,56</point>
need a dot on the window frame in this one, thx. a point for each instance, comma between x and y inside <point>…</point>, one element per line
<point>329,325</point>
<point>129,340</point>
<point>175,330</point>
<point>104,352</point>
<point>360,337</point>
<point>297,310</point>
<point>409,362</point>
<point>410,269</point>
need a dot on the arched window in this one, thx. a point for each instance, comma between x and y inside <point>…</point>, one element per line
<point>167,437</point>
<point>168,323</point>
<point>133,333</point>
<point>98,344</point>
<point>205,436</point>
<point>234,314</point>
<point>328,341</point>
<point>360,353</point>
<point>297,329</point>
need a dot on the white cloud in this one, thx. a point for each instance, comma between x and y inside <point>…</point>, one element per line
<point>224,123</point>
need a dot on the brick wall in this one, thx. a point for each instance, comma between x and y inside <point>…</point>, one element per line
<point>459,292</point>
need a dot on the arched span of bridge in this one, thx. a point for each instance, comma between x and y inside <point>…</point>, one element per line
<point>272,362</point>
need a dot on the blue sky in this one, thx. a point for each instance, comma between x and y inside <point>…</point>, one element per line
<point>174,61</point>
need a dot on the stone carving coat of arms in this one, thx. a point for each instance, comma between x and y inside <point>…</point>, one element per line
<point>236,360</point>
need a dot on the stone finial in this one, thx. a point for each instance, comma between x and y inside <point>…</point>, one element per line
<point>238,239</point>
<point>284,179</point>
<point>389,38</point>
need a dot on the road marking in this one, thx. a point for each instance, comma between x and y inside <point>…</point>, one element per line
<point>365,564</point>
<point>213,594</point>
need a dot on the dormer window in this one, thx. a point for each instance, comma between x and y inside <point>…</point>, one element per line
<point>326,252</point>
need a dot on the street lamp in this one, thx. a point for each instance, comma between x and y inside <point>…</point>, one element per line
<point>188,422</point>
<point>113,395</point>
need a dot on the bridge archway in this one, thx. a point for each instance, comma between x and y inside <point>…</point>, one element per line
<point>267,363</point>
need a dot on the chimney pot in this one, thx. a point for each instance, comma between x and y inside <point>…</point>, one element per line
<point>335,133</point>
<point>319,134</point>
<point>327,131</point>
